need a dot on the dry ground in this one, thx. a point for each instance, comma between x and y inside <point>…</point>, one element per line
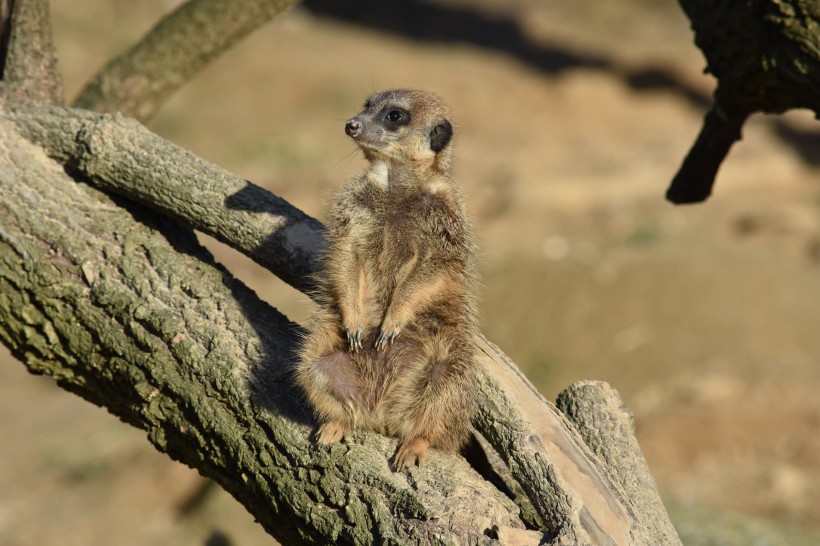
<point>703,317</point>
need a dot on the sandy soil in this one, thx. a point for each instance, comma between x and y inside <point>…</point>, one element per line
<point>570,126</point>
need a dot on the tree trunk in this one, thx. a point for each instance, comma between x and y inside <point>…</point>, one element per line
<point>28,64</point>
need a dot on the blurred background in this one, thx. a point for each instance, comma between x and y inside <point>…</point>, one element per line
<point>572,118</point>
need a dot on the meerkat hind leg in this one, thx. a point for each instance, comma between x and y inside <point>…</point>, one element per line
<point>439,415</point>
<point>334,390</point>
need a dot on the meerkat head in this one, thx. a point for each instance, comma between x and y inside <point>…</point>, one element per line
<point>404,126</point>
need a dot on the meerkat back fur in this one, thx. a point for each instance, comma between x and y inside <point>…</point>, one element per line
<point>391,347</point>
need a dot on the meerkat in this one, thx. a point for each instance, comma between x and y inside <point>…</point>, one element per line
<point>391,347</point>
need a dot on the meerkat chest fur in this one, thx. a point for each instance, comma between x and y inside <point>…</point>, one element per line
<point>406,222</point>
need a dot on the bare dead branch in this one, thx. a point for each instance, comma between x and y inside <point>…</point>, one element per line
<point>694,181</point>
<point>608,427</point>
<point>179,46</point>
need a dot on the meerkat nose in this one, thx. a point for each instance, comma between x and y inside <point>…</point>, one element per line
<point>352,128</point>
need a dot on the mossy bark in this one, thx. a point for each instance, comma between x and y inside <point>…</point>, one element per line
<point>120,305</point>
<point>121,156</point>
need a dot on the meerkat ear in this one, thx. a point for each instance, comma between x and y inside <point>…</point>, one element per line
<point>440,136</point>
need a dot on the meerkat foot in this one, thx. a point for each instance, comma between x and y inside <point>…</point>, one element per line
<point>330,432</point>
<point>410,453</point>
<point>354,340</point>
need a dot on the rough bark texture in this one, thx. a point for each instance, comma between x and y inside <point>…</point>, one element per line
<point>608,428</point>
<point>569,486</point>
<point>28,62</point>
<point>130,313</point>
<point>180,45</point>
<point>766,57</point>
<point>123,157</point>
<point>577,501</point>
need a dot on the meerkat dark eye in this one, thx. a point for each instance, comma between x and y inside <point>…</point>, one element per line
<point>395,118</point>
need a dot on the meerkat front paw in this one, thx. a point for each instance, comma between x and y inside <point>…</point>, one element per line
<point>388,332</point>
<point>354,340</point>
<point>411,453</point>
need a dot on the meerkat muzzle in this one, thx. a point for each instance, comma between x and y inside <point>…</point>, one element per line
<point>352,128</point>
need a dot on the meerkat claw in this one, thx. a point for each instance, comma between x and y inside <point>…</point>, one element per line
<point>354,340</point>
<point>386,338</point>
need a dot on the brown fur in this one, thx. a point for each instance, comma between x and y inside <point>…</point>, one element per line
<point>390,348</point>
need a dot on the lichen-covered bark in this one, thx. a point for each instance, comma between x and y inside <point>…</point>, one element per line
<point>122,156</point>
<point>121,305</point>
<point>28,62</point>
<point>178,47</point>
<point>126,310</point>
<point>569,486</point>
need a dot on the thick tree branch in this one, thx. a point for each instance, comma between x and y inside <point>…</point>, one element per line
<point>180,45</point>
<point>123,157</point>
<point>126,310</point>
<point>573,491</point>
<point>28,62</point>
<point>766,57</point>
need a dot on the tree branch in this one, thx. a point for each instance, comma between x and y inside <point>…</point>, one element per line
<point>28,61</point>
<point>123,307</point>
<point>573,491</point>
<point>180,45</point>
<point>123,157</point>
<point>697,174</point>
<point>766,57</point>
